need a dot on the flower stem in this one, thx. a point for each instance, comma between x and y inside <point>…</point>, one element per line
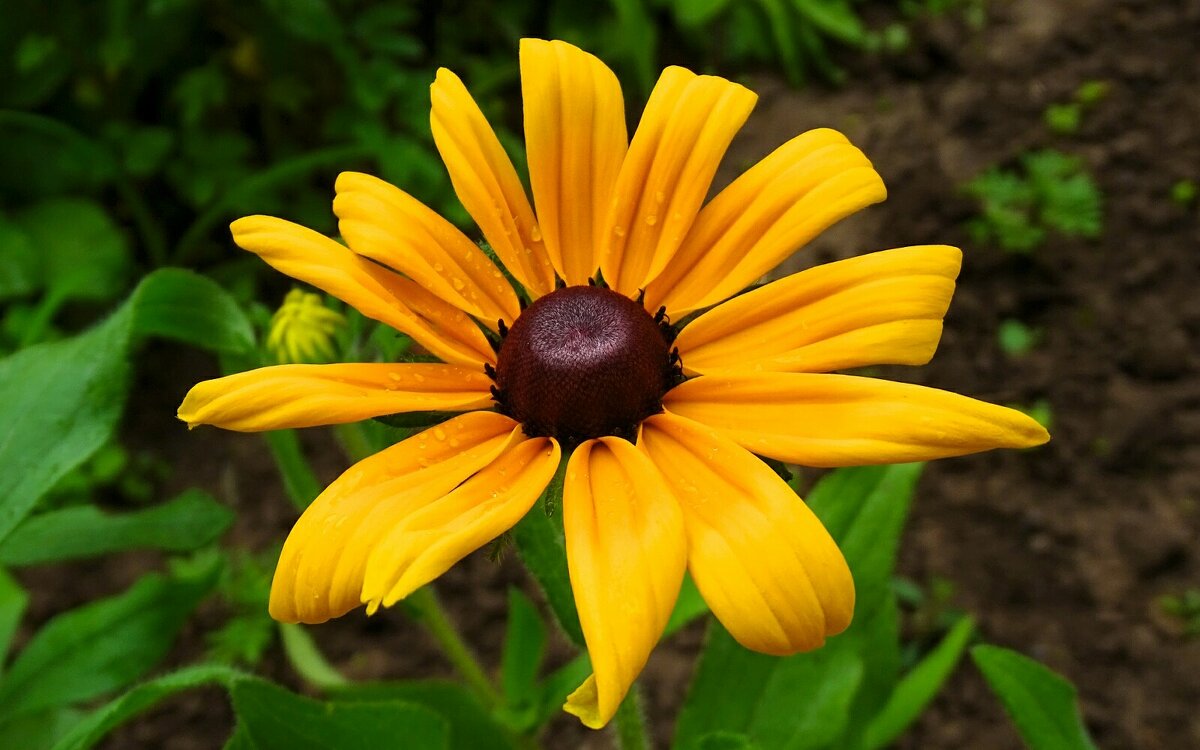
<point>424,606</point>
<point>631,722</point>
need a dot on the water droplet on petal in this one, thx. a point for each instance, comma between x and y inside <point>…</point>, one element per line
<point>651,219</point>
<point>535,234</point>
<point>439,433</point>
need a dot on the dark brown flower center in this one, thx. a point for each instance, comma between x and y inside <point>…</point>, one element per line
<point>583,362</point>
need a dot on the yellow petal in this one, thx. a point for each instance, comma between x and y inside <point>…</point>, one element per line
<point>765,565</point>
<point>626,555</point>
<point>575,138</point>
<point>275,398</point>
<point>382,222</point>
<point>432,537</point>
<point>688,123</point>
<point>801,189</point>
<point>374,291</point>
<point>487,183</point>
<point>880,308</point>
<point>843,420</point>
<point>320,572</point>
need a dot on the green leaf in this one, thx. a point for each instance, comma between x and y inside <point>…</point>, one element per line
<point>524,648</point>
<point>39,730</point>
<point>13,600</point>
<point>1041,703</point>
<point>726,741</point>
<point>103,645</point>
<point>20,263</point>
<point>103,720</point>
<point>471,725</point>
<point>833,17</point>
<point>539,540</point>
<point>864,509</point>
<point>801,701</point>
<point>697,12</point>
<point>189,522</point>
<point>274,719</point>
<point>786,45</point>
<point>918,687</point>
<point>187,307</point>
<point>59,402</point>
<point>84,254</point>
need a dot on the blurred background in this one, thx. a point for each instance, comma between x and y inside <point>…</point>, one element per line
<point>1057,143</point>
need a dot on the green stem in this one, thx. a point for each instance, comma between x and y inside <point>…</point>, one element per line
<point>631,722</point>
<point>307,659</point>
<point>298,479</point>
<point>189,245</point>
<point>354,441</point>
<point>151,233</point>
<point>424,606</point>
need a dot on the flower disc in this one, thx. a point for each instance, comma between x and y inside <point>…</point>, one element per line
<point>583,362</point>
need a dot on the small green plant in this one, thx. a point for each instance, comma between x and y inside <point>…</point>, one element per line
<point>1051,192</point>
<point>1015,338</point>
<point>1065,118</point>
<point>1183,193</point>
<point>245,586</point>
<point>1185,608</point>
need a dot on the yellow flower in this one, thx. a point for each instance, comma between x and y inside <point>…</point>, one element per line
<point>662,427</point>
<point>303,329</point>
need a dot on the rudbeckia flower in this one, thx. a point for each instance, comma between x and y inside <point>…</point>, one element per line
<point>661,425</point>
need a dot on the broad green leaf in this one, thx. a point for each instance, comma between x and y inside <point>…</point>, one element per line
<point>801,701</point>
<point>186,523</point>
<point>539,540</point>
<point>12,606</point>
<point>864,509</point>
<point>524,647</point>
<point>84,254</point>
<point>20,264</point>
<point>729,683</point>
<point>40,730</point>
<point>59,402</point>
<point>917,688</point>
<point>809,700</point>
<point>272,718</point>
<point>726,741</point>
<point>185,306</point>
<point>88,732</point>
<point>471,726</point>
<point>101,646</point>
<point>1042,704</point>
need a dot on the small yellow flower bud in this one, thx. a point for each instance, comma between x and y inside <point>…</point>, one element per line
<point>303,329</point>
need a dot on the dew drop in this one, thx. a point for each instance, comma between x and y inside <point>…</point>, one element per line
<point>659,197</point>
<point>535,234</point>
<point>619,231</point>
<point>438,267</point>
<point>651,219</point>
<point>439,433</point>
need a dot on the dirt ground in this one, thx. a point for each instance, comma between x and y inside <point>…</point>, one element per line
<point>1059,552</point>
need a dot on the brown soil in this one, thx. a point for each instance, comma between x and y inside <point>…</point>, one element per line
<point>1060,552</point>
